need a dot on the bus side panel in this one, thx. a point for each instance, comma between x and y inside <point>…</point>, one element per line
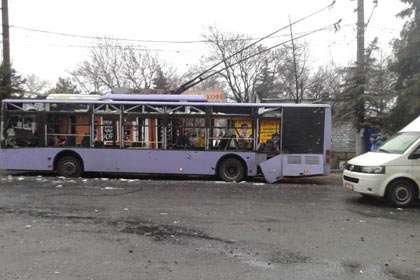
<point>303,165</point>
<point>36,159</point>
<point>272,168</point>
<point>3,160</point>
<point>158,161</point>
<point>124,161</point>
<point>327,141</point>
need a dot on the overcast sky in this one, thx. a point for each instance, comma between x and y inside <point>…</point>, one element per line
<point>50,56</point>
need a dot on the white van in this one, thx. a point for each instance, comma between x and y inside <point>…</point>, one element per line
<point>393,171</point>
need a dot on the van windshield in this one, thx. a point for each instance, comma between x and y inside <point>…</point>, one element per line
<point>399,143</point>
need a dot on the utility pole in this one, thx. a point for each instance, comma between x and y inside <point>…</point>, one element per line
<point>294,61</point>
<point>360,77</point>
<point>6,43</point>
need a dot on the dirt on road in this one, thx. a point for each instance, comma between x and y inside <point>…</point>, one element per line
<point>130,228</point>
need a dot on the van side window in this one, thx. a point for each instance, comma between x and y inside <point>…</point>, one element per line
<point>416,153</point>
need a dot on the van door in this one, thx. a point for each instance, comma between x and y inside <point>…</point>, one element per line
<point>415,164</point>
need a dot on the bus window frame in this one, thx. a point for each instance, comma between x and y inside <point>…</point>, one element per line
<point>163,111</point>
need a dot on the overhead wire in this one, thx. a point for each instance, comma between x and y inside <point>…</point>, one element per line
<point>186,85</point>
<point>261,52</point>
<point>194,81</point>
<point>134,47</point>
<point>72,35</point>
<point>142,47</point>
<point>371,13</point>
<point>138,40</point>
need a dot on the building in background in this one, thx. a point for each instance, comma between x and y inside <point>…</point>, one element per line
<point>212,95</point>
<point>343,143</point>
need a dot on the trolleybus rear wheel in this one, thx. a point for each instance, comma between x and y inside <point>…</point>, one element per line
<point>231,170</point>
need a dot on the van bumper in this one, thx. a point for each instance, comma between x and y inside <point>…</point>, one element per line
<point>371,184</point>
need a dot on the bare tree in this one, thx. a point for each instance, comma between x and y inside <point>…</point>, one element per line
<point>64,86</point>
<point>241,75</point>
<point>324,84</point>
<point>280,74</point>
<point>291,71</point>
<point>111,65</point>
<point>213,83</point>
<point>34,86</point>
<point>139,68</point>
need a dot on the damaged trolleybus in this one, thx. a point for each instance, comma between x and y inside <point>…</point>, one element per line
<point>165,134</point>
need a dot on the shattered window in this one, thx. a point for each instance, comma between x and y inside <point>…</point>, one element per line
<point>186,133</point>
<point>232,134</point>
<point>25,130</point>
<point>143,133</point>
<point>68,130</point>
<point>303,131</point>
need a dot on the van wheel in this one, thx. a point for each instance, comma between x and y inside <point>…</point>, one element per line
<point>231,170</point>
<point>401,193</point>
<point>69,166</point>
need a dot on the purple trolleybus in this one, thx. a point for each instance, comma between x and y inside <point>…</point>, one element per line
<point>165,134</point>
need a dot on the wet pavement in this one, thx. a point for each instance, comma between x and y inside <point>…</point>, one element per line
<point>177,228</point>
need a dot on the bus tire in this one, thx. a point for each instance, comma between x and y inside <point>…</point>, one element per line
<point>231,170</point>
<point>401,193</point>
<point>69,166</point>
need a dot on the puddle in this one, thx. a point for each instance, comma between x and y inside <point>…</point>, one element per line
<point>352,267</point>
<point>165,232</point>
<point>158,232</point>
<point>289,257</point>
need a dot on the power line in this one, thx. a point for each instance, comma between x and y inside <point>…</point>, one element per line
<point>194,81</point>
<point>161,49</point>
<point>372,12</point>
<point>73,35</point>
<point>142,47</point>
<point>259,53</point>
<point>133,47</point>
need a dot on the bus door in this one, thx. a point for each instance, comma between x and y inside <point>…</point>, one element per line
<point>269,139</point>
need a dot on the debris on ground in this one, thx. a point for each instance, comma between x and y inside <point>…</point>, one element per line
<point>111,188</point>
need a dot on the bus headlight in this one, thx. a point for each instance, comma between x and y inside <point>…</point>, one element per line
<point>373,169</point>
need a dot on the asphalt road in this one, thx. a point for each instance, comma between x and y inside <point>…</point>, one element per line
<point>116,228</point>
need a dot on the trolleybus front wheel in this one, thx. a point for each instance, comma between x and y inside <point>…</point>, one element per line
<point>69,166</point>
